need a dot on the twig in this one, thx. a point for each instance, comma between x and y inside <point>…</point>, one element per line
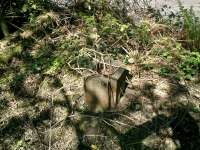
<point>93,135</point>
<point>22,30</point>
<point>104,63</point>
<point>120,123</point>
<point>77,69</point>
<point>51,117</point>
<point>108,123</point>
<point>125,50</point>
<point>126,117</point>
<point>116,42</point>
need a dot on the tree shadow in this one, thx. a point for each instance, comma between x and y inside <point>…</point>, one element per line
<point>14,130</point>
<point>185,130</point>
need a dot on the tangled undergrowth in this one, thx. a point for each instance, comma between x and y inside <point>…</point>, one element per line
<point>43,63</point>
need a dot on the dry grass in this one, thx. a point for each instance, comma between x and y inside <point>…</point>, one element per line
<point>49,112</point>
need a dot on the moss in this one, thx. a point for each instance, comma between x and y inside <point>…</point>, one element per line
<point>54,66</point>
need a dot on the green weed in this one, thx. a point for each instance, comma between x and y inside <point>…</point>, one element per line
<point>164,71</point>
<point>185,64</point>
<point>190,64</point>
<point>142,34</point>
<point>112,26</point>
<point>191,27</point>
<point>54,66</point>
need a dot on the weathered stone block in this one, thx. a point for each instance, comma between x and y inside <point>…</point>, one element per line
<point>103,92</point>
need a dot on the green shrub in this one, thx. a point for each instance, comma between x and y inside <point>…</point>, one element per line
<point>142,34</point>
<point>190,64</point>
<point>89,20</point>
<point>112,26</point>
<point>32,8</point>
<point>164,71</point>
<point>14,13</point>
<point>183,64</point>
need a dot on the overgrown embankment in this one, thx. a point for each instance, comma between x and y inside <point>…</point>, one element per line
<point>43,63</point>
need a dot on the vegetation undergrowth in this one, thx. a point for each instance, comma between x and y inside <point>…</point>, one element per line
<point>104,32</point>
<point>191,28</point>
<point>53,43</point>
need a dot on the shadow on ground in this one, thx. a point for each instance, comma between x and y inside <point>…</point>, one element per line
<point>75,128</point>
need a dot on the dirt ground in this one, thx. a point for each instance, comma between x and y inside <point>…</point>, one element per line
<point>50,113</point>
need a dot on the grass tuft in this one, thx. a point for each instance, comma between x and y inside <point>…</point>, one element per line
<point>191,28</point>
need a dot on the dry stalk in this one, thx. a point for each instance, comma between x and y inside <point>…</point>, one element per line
<point>80,70</point>
<point>51,106</point>
<point>22,30</point>
<point>120,123</point>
